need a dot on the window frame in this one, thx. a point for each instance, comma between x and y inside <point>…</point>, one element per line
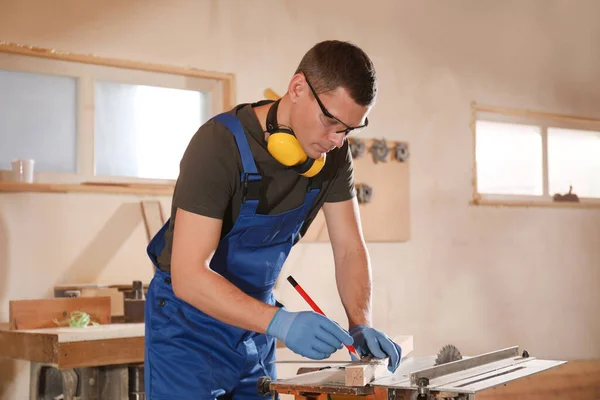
<point>87,69</point>
<point>544,120</point>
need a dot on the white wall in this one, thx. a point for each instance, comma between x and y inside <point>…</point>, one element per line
<point>479,277</point>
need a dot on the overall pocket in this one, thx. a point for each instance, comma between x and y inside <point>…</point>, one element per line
<point>266,236</point>
<point>162,302</point>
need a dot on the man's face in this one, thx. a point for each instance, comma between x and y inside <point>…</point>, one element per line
<point>320,128</point>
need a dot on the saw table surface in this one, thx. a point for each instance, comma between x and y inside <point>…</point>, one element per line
<point>576,379</point>
<point>108,344</point>
<point>465,377</point>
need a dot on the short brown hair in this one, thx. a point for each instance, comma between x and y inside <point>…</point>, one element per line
<point>333,63</point>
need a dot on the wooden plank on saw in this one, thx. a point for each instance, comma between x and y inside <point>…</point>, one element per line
<point>363,374</point>
<point>41,313</point>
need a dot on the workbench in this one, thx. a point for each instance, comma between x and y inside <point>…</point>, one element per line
<point>102,355</point>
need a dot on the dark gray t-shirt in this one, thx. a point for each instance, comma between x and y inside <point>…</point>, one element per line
<point>209,181</point>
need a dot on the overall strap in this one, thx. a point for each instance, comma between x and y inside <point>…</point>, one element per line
<point>235,126</point>
<point>250,176</point>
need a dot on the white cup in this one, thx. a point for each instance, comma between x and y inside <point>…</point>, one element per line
<point>22,170</point>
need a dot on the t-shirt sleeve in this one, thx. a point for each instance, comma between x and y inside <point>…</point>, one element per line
<point>207,172</point>
<point>342,185</point>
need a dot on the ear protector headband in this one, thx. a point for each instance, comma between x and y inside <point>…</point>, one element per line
<point>285,148</point>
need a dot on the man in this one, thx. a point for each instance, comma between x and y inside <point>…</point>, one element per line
<point>251,181</point>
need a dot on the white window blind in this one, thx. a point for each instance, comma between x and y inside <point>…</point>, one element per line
<point>509,158</point>
<point>574,161</point>
<point>38,120</point>
<point>142,131</point>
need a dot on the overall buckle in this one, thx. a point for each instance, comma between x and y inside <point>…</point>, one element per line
<point>251,186</point>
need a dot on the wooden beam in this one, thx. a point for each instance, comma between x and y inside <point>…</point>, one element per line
<point>35,314</point>
<point>55,54</point>
<point>533,114</point>
<point>363,374</point>
<point>29,347</point>
<point>103,352</point>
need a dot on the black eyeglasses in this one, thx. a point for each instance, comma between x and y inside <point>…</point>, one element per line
<point>347,128</point>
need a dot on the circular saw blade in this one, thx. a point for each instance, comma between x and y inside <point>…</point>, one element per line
<point>447,354</point>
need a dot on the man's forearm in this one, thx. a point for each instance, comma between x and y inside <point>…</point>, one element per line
<point>354,281</point>
<point>216,296</point>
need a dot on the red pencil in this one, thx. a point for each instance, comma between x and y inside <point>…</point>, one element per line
<point>315,307</point>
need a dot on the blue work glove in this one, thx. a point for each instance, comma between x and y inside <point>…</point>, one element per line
<point>371,342</point>
<point>307,333</point>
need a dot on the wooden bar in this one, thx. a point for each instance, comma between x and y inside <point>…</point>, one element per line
<point>533,114</point>
<point>15,48</point>
<point>153,217</point>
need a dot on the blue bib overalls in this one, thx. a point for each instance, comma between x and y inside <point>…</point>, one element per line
<point>190,355</point>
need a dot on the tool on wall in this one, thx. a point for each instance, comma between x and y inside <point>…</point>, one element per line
<point>357,147</point>
<point>380,150</point>
<point>363,193</point>
<point>401,152</point>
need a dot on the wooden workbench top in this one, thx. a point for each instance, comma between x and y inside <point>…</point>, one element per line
<point>108,344</point>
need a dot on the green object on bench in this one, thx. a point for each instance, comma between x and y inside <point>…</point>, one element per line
<point>78,319</point>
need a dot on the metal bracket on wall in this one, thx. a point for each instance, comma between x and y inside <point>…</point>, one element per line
<point>364,193</point>
<point>357,147</point>
<point>401,152</point>
<point>380,150</point>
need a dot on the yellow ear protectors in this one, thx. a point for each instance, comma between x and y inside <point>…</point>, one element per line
<point>285,148</point>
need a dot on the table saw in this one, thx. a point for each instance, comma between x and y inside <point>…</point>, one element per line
<point>448,375</point>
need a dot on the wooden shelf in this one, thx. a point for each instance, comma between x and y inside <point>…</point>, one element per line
<point>524,203</point>
<point>88,187</point>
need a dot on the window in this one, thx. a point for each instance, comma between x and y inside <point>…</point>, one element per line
<point>88,119</point>
<point>509,158</point>
<point>142,131</point>
<point>530,158</point>
<point>574,160</point>
<point>38,112</point>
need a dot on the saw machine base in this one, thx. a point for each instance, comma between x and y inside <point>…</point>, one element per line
<point>447,376</point>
